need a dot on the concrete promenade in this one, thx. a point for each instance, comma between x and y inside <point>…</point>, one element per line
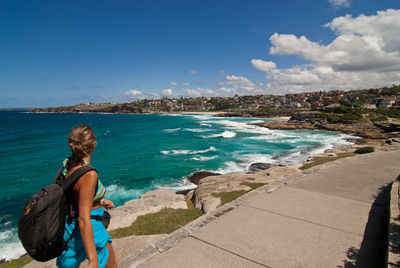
<point>330,216</point>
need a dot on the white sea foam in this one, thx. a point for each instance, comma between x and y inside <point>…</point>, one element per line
<point>184,184</point>
<point>244,162</point>
<point>204,158</point>
<point>198,130</point>
<point>200,116</point>
<point>177,152</point>
<point>249,159</point>
<point>225,134</point>
<point>120,193</point>
<point>241,126</point>
<point>276,136</point>
<point>11,247</point>
<point>230,167</point>
<point>170,114</point>
<point>205,125</point>
<point>171,130</point>
<point>303,152</point>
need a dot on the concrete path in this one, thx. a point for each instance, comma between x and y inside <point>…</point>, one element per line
<point>330,217</point>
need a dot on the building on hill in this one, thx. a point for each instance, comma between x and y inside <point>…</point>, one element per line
<point>384,102</point>
<point>396,104</point>
<point>332,106</point>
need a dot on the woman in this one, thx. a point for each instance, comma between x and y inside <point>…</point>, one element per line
<point>89,239</point>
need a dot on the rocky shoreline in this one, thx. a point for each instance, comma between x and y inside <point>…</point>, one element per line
<point>364,130</point>
<point>209,184</point>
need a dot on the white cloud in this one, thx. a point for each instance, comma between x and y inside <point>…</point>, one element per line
<point>339,3</point>
<point>205,92</point>
<point>365,53</point>
<point>263,66</point>
<point>134,92</point>
<point>239,85</point>
<point>239,80</point>
<point>167,92</point>
<point>173,83</point>
<point>185,84</point>
<point>192,93</point>
<point>193,71</point>
<point>224,91</point>
<point>222,72</point>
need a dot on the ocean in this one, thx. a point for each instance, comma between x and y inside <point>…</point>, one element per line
<point>137,153</point>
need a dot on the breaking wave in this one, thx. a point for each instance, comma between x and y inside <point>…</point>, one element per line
<point>225,134</point>
<point>11,247</point>
<point>204,158</point>
<point>177,152</point>
<point>171,130</point>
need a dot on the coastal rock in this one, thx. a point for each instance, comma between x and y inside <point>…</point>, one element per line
<point>340,149</point>
<point>197,176</point>
<point>237,182</point>
<point>210,203</point>
<point>365,130</point>
<point>184,192</point>
<point>388,127</point>
<point>189,195</point>
<point>150,202</point>
<point>256,167</point>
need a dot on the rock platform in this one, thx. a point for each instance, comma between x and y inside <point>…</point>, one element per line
<point>332,215</point>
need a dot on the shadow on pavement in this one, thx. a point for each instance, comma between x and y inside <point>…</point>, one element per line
<point>373,249</point>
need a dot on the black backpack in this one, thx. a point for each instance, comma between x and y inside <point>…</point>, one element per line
<point>42,223</point>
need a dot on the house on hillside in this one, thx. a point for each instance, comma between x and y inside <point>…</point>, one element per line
<point>332,106</point>
<point>384,102</point>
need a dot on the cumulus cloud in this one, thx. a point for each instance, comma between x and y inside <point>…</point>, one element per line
<point>239,81</point>
<point>239,85</point>
<point>167,92</point>
<point>263,66</point>
<point>193,71</point>
<point>192,93</point>
<point>173,83</point>
<point>339,3</point>
<point>134,92</point>
<point>205,92</point>
<point>185,84</point>
<point>365,53</point>
<point>227,91</point>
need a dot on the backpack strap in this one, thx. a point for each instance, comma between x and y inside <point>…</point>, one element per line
<point>65,184</point>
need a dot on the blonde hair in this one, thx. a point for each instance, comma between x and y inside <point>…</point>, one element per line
<point>81,141</point>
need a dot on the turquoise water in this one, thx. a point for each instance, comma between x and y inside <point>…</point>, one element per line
<point>136,153</point>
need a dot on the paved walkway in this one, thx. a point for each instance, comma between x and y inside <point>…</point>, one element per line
<point>328,218</point>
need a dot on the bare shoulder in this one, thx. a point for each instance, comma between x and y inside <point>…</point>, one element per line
<point>88,179</point>
<point>91,174</point>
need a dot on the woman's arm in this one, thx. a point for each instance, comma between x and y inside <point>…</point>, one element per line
<point>86,187</point>
<point>108,204</point>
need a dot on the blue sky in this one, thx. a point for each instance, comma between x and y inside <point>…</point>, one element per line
<point>66,52</point>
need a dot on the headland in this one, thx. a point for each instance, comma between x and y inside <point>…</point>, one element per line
<point>215,195</point>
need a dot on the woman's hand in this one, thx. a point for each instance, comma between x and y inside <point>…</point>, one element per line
<point>107,204</point>
<point>93,264</point>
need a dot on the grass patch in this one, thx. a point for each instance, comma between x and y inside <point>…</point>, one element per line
<point>379,118</point>
<point>322,160</point>
<point>163,222</point>
<point>20,262</point>
<point>253,185</point>
<point>227,197</point>
<point>365,150</point>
